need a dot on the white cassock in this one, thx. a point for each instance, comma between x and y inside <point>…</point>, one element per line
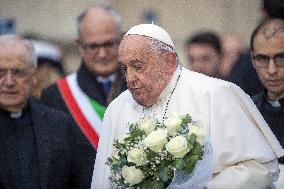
<point>245,150</point>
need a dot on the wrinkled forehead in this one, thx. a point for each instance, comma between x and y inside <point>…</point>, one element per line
<point>273,28</point>
<point>14,50</point>
<point>136,41</point>
<point>133,45</point>
<point>267,35</point>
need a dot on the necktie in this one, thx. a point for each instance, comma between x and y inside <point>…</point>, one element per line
<point>106,87</point>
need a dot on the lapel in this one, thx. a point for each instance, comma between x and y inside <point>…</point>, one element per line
<point>43,136</point>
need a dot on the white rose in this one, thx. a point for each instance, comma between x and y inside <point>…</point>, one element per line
<point>148,125</point>
<point>178,146</point>
<point>156,140</point>
<point>198,130</point>
<point>137,156</point>
<point>132,175</point>
<point>173,124</point>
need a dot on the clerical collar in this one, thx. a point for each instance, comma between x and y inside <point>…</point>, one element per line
<point>16,115</point>
<point>13,115</point>
<point>274,103</point>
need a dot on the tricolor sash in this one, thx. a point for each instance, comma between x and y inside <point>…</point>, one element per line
<point>86,112</point>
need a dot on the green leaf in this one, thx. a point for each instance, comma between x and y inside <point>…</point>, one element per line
<point>190,146</point>
<point>151,155</point>
<point>197,149</point>
<point>164,173</point>
<point>179,164</point>
<point>153,184</point>
<point>115,166</point>
<point>123,161</point>
<point>109,161</point>
<point>190,162</point>
<point>132,127</point>
<point>186,119</point>
<point>192,138</point>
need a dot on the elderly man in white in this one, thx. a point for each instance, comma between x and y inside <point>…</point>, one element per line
<point>244,149</point>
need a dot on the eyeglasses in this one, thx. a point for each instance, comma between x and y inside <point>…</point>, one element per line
<point>109,46</point>
<point>262,61</point>
<point>16,73</point>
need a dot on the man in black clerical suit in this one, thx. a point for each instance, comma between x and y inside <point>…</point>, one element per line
<point>267,52</point>
<point>39,147</point>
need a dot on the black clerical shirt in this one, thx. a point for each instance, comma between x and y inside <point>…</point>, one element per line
<point>17,138</point>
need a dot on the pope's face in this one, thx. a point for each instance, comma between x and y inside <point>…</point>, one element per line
<point>15,77</point>
<point>147,73</point>
<point>272,76</point>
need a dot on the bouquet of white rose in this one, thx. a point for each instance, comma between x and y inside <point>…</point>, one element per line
<point>150,154</point>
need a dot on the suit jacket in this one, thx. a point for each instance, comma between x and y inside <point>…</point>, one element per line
<point>65,157</point>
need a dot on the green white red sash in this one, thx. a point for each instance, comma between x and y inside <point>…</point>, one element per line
<point>87,113</point>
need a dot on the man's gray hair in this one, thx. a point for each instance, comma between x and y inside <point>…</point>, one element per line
<point>6,40</point>
<point>116,17</point>
<point>160,47</point>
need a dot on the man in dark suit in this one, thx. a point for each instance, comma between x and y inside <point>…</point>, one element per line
<point>86,93</point>
<point>267,51</point>
<point>39,147</point>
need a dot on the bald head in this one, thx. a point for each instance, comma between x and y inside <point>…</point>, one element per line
<point>98,17</point>
<point>267,30</point>
<point>99,36</point>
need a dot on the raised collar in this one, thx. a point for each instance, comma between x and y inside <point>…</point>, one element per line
<point>4,114</point>
<point>89,84</point>
<point>276,103</point>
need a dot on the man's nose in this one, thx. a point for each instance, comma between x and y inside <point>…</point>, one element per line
<point>9,79</point>
<point>130,77</point>
<point>101,52</point>
<point>272,68</point>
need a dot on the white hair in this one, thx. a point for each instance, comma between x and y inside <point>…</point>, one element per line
<point>8,40</point>
<point>160,47</point>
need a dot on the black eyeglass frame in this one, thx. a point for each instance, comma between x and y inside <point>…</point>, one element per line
<point>95,46</point>
<point>262,61</point>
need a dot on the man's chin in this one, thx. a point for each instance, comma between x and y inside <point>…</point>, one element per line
<point>11,107</point>
<point>140,101</point>
<point>104,70</point>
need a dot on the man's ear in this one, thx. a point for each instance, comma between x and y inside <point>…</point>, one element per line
<point>252,60</point>
<point>34,77</point>
<point>77,42</point>
<point>171,61</point>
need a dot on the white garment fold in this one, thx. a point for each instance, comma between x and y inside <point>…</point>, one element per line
<point>244,148</point>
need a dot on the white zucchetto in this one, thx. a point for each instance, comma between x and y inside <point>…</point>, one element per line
<point>153,31</point>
